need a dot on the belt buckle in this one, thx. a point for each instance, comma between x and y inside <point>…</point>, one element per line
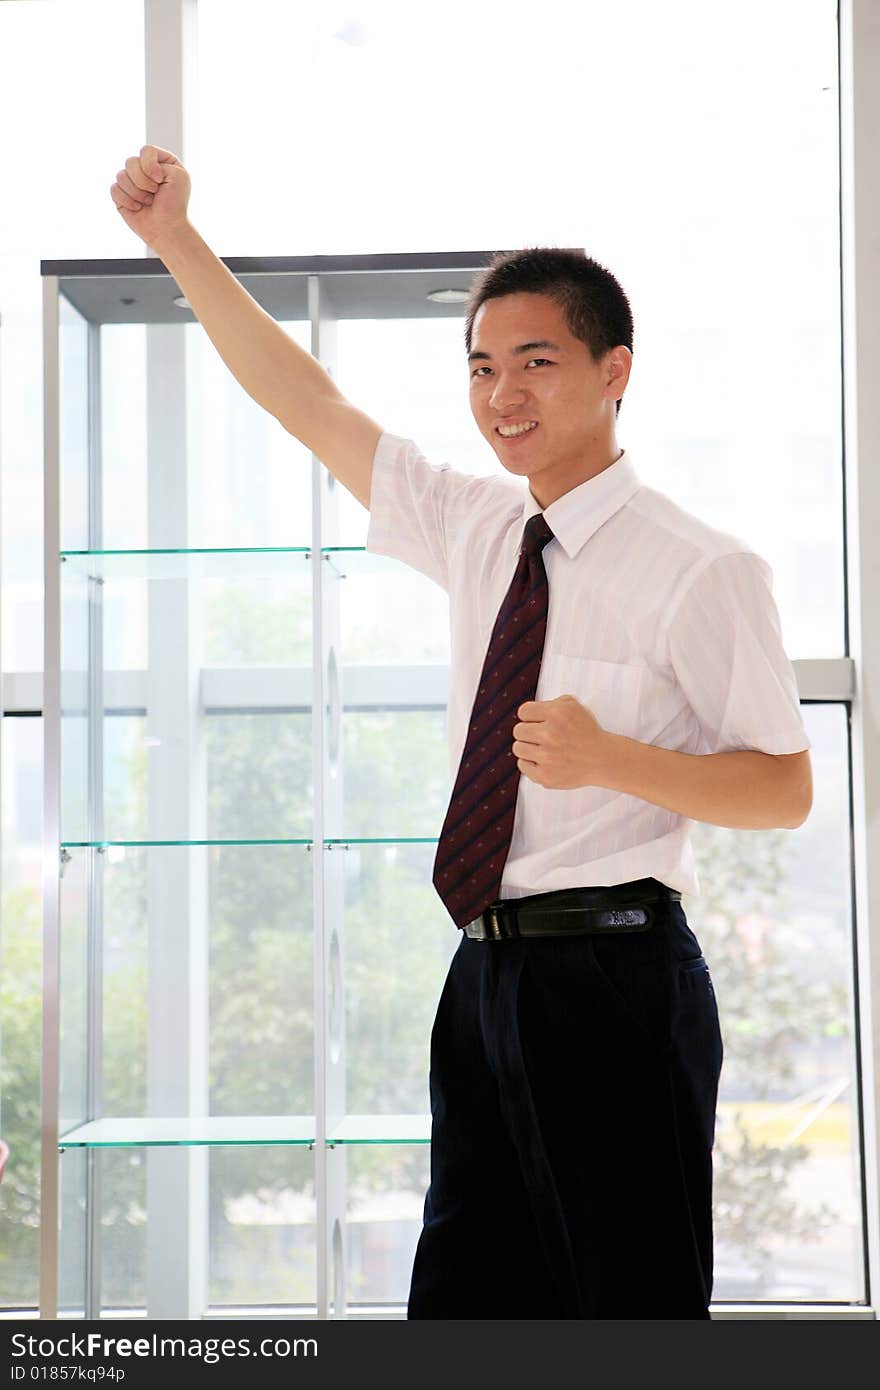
<point>485,927</point>
<point>633,917</point>
<point>493,927</point>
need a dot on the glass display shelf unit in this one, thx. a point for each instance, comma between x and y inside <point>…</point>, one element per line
<point>134,1131</point>
<point>218,708</point>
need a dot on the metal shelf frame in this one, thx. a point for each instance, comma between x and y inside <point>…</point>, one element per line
<point>142,292</point>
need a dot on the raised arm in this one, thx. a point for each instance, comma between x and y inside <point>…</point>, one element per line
<point>151,195</point>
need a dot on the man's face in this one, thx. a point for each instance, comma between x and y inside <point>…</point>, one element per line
<point>571,397</point>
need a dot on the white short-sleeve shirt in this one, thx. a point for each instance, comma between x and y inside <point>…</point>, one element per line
<point>663,626</point>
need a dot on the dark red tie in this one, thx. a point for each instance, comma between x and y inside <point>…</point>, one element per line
<point>475,838</point>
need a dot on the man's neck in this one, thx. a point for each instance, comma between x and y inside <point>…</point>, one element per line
<point>548,489</point>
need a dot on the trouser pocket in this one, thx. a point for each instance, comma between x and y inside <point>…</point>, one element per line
<point>697,1044</point>
<point>634,972</point>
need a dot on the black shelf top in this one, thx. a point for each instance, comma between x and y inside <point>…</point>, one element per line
<point>385,285</point>
<point>287,265</point>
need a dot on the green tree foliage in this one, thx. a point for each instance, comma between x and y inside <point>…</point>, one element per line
<point>781,1014</point>
<point>21,1011</point>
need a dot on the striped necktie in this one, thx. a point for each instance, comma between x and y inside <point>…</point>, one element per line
<point>475,838</point>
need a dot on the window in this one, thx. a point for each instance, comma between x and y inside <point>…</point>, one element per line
<point>733,409</point>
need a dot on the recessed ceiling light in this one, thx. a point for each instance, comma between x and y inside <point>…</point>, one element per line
<point>182,302</point>
<point>447,296</point>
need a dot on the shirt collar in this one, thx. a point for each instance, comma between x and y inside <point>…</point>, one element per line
<point>577,515</point>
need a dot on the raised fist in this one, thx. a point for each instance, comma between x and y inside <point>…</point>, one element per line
<point>152,192</point>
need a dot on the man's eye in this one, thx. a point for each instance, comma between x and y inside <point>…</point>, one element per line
<point>545,360</point>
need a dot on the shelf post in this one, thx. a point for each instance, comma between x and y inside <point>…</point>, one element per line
<point>329,868</point>
<point>177,891</point>
<point>49,1098</point>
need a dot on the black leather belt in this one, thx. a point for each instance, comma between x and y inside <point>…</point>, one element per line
<point>601,911</point>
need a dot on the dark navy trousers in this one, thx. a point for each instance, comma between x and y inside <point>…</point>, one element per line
<point>573,1087</point>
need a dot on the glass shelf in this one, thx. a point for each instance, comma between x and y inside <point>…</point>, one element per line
<point>130,1131</point>
<point>218,562</point>
<point>158,844</point>
<point>137,1131</point>
<point>204,563</point>
<point>378,840</point>
<point>357,560</point>
<point>382,1129</point>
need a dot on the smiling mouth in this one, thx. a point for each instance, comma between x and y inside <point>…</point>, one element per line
<point>520,434</point>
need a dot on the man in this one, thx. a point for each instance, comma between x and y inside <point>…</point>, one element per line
<point>617,671</point>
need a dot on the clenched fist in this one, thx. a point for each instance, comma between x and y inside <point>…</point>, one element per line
<point>561,744</point>
<point>152,193</point>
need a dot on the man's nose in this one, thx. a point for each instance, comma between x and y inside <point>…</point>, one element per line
<point>505,392</point>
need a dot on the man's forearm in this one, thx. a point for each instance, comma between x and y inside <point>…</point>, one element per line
<point>741,789</point>
<point>272,368</point>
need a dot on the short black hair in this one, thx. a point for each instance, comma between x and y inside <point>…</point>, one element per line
<point>593,302</point>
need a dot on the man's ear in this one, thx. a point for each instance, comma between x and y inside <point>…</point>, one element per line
<point>619,367</point>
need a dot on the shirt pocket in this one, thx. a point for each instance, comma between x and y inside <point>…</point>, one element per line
<point>611,690</point>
